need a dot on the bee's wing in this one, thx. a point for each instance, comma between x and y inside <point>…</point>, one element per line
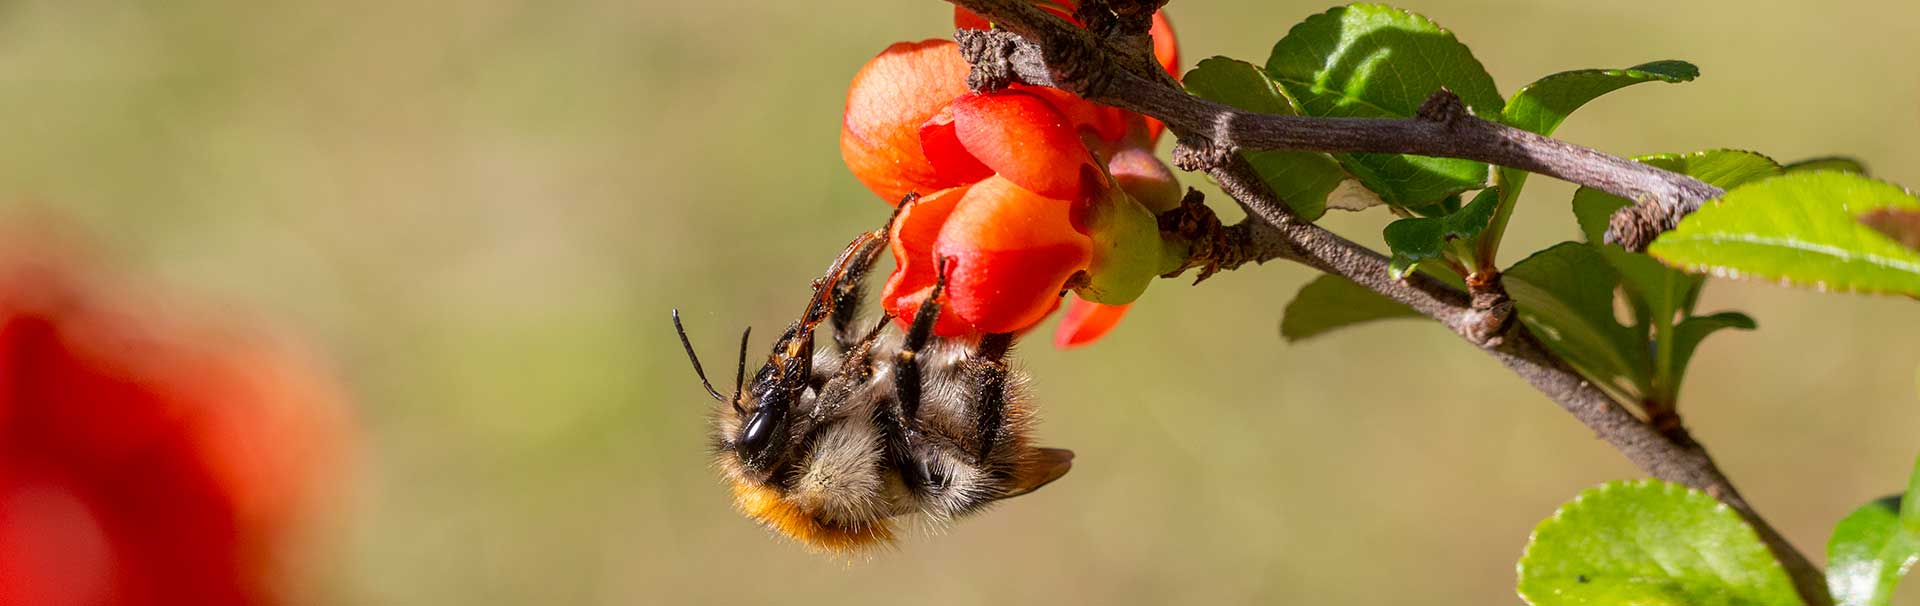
<point>1040,467</point>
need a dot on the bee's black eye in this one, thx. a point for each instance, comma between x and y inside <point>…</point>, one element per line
<point>759,432</point>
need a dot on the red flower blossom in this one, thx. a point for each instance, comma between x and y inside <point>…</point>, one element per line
<point>1027,191</point>
<point>142,462</point>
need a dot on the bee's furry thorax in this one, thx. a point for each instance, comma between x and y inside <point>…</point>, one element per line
<point>840,488</point>
<point>831,440</point>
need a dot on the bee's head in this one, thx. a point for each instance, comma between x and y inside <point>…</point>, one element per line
<point>752,423</point>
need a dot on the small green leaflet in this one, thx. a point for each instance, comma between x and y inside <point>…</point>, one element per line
<point>1376,61</point>
<point>1800,228</point>
<point>1650,542</point>
<point>1541,107</point>
<point>1873,547</point>
<point>1302,179</point>
<point>1416,239</point>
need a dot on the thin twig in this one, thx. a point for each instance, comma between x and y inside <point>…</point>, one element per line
<point>1033,47</point>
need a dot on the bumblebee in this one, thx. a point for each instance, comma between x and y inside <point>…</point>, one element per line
<point>828,445</point>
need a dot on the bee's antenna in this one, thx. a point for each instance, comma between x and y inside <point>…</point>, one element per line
<point>740,376</point>
<point>694,358</point>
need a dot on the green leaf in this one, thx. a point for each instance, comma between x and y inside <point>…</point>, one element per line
<point>1446,206</point>
<point>1330,302</point>
<point>1376,61</point>
<point>1800,228</point>
<point>1473,217</point>
<point>1830,163</point>
<point>1660,293</point>
<point>1593,209</point>
<point>1873,547</point>
<point>1302,179</point>
<point>1541,107</point>
<point>1418,238</point>
<point>1236,83</point>
<point>1650,543</point>
<point>1565,296</point>
<point>1688,334</point>
<point>1422,238</point>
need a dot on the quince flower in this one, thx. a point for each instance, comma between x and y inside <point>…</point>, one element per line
<point>1026,192</point>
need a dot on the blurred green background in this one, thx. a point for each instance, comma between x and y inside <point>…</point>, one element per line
<point>481,212</point>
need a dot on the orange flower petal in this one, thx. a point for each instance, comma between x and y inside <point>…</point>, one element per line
<point>891,97</point>
<point>1105,124</point>
<point>1023,138</point>
<point>1085,322</point>
<point>951,160</point>
<point>912,240</point>
<point>1012,252</point>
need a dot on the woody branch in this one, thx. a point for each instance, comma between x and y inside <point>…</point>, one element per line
<point>1110,62</point>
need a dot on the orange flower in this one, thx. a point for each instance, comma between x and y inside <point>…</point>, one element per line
<point>1027,192</point>
<point>143,462</point>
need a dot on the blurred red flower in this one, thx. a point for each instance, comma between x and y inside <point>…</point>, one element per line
<point>144,461</point>
<point>1027,191</point>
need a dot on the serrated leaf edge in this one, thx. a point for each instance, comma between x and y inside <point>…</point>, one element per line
<point>1581,500</point>
<point>1816,285</point>
<point>1635,71</point>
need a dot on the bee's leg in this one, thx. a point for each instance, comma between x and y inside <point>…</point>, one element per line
<point>906,381</point>
<point>989,370</point>
<point>893,438</point>
<point>847,294</point>
<point>850,289</point>
<point>897,423</point>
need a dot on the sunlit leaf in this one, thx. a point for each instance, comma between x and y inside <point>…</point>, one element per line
<point>1800,228</point>
<point>1650,543</point>
<point>1873,547</point>
<point>1376,61</point>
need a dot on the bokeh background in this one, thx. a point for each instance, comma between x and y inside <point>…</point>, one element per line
<point>481,212</point>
